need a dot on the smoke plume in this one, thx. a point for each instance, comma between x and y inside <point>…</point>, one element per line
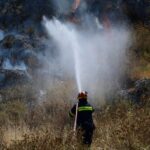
<point>94,58</point>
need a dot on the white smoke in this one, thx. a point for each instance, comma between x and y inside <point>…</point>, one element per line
<point>1,35</point>
<point>9,66</point>
<point>96,59</point>
<point>62,6</point>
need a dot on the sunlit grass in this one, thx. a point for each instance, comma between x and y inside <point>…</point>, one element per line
<point>122,125</point>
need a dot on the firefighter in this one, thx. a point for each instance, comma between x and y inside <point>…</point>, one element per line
<point>85,123</point>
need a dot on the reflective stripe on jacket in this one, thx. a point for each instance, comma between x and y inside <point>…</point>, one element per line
<point>85,108</point>
<point>85,111</point>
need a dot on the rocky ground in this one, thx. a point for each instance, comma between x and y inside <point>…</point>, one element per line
<point>139,91</point>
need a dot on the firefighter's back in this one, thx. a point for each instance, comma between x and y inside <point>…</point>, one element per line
<point>85,111</point>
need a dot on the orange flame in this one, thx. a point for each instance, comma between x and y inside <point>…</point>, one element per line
<point>106,23</point>
<point>75,5</point>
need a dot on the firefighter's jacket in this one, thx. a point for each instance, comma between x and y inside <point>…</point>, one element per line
<point>85,111</point>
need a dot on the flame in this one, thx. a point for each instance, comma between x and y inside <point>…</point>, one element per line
<point>106,23</point>
<point>75,5</point>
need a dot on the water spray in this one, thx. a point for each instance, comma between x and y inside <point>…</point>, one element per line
<point>77,66</point>
<point>94,58</point>
<point>55,28</point>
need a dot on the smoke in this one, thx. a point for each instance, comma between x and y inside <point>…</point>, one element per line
<point>1,35</point>
<point>9,66</point>
<point>92,54</point>
<point>62,6</point>
<point>94,58</point>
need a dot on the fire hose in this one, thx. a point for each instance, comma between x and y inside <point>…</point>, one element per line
<point>75,120</point>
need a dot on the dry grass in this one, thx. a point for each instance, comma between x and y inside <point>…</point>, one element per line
<point>120,126</point>
<point>15,133</point>
<point>142,45</point>
<point>141,71</point>
<point>123,126</point>
<point>47,126</point>
<point>140,53</point>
